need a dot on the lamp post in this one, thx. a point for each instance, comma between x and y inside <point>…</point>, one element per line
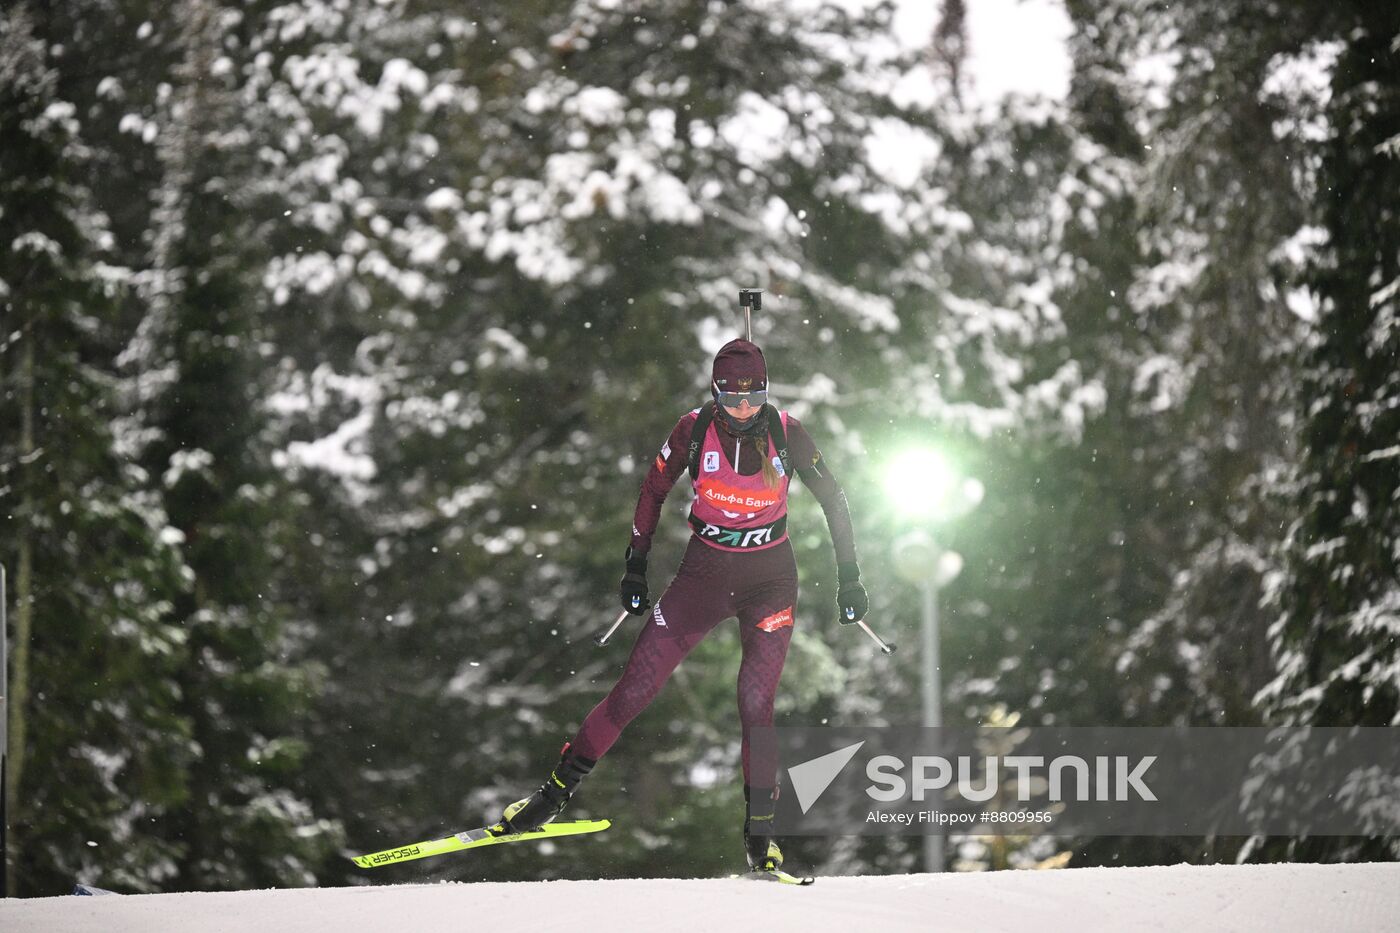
<point>925,487</point>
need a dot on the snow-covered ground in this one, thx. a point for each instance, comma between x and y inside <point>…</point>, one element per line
<point>1251,897</point>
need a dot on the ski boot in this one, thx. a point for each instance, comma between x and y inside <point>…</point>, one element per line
<point>549,801</point>
<point>763,852</point>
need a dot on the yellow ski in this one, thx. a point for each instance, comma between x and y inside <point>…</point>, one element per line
<point>475,839</point>
<point>776,875</point>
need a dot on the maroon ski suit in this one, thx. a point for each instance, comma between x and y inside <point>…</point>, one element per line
<point>757,584</point>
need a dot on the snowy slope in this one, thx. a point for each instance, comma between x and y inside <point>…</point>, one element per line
<point>1253,897</point>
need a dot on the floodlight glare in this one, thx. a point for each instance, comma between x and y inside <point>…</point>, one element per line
<point>920,482</point>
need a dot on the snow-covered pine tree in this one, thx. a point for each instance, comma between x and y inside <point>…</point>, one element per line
<point>1337,638</point>
<point>197,364</point>
<point>1338,643</point>
<point>1222,209</point>
<point>98,738</point>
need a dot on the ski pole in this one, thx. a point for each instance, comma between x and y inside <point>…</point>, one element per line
<point>602,640</point>
<point>887,648</point>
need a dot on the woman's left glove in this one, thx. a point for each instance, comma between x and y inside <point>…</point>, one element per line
<point>851,597</point>
<point>633,588</point>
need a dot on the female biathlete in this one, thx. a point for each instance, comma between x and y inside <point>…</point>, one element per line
<point>739,562</point>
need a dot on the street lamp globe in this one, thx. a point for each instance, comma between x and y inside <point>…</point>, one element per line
<point>972,491</point>
<point>946,570</point>
<point>915,555</point>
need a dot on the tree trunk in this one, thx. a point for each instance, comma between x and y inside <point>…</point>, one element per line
<point>24,610</point>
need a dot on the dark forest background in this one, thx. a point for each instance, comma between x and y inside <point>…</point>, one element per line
<point>337,335</point>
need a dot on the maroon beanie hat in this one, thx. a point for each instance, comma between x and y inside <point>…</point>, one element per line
<point>740,367</point>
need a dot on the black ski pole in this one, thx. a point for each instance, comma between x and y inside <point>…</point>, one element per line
<point>602,640</point>
<point>886,647</point>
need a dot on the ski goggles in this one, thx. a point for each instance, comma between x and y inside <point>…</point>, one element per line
<point>756,399</point>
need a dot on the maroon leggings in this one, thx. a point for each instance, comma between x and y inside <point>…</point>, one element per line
<point>760,588</point>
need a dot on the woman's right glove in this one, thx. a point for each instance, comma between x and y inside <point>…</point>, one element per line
<point>633,588</point>
<point>851,598</point>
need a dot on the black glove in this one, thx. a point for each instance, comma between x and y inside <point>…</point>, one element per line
<point>851,598</point>
<point>633,588</point>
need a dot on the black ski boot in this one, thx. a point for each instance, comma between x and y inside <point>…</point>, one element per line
<point>763,852</point>
<point>549,801</point>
